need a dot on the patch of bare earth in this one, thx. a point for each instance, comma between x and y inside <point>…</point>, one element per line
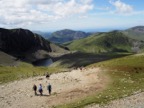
<point>66,87</point>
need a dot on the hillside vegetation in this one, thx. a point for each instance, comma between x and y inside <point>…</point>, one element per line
<point>114,41</point>
<point>6,59</point>
<point>12,69</point>
<point>25,70</point>
<point>135,32</point>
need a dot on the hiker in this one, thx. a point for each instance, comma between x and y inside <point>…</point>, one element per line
<point>80,68</point>
<point>49,87</point>
<point>35,89</point>
<point>40,89</point>
<point>47,75</point>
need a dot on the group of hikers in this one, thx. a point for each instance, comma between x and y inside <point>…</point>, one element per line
<point>40,89</point>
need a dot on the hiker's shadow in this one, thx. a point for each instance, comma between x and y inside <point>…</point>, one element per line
<point>42,95</point>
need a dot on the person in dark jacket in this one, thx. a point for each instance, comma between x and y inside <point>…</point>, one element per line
<point>49,88</point>
<point>35,89</point>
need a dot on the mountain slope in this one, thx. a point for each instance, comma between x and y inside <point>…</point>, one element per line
<point>6,59</point>
<point>21,40</point>
<point>46,35</point>
<point>135,32</point>
<point>114,41</point>
<point>26,45</point>
<point>67,35</point>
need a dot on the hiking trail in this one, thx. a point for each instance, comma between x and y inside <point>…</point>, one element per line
<point>66,87</point>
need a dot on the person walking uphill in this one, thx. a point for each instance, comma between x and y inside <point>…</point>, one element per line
<point>35,89</point>
<point>40,89</point>
<point>49,88</point>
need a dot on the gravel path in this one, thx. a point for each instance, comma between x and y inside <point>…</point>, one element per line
<point>66,87</point>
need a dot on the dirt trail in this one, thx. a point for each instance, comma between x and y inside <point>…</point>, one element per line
<point>66,87</point>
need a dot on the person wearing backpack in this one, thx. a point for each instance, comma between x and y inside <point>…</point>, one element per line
<point>40,89</point>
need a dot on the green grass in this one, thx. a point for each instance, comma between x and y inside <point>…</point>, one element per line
<point>127,78</point>
<point>24,70</point>
<point>105,42</point>
<point>135,35</point>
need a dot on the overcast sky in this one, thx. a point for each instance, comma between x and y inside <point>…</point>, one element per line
<point>47,15</point>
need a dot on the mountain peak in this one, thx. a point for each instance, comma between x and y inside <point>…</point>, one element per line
<point>138,28</point>
<point>67,35</point>
<point>66,30</point>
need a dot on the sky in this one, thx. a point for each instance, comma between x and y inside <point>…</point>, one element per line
<point>52,15</point>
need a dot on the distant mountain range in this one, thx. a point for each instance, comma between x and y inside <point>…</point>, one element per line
<point>22,44</point>
<point>46,35</point>
<point>67,35</point>
<point>26,45</point>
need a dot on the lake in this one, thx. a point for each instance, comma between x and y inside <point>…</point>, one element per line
<point>43,62</point>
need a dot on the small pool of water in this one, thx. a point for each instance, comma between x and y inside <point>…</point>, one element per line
<point>43,62</point>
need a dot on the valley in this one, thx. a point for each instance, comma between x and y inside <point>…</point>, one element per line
<point>71,54</point>
<point>96,71</point>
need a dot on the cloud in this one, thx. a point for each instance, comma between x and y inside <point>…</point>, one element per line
<point>42,2</point>
<point>72,7</point>
<point>106,8</point>
<point>20,12</point>
<point>121,7</point>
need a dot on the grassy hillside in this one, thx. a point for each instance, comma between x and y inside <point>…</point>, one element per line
<point>6,59</point>
<point>135,32</point>
<point>127,78</point>
<point>104,42</point>
<point>24,70</point>
<point>12,72</point>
